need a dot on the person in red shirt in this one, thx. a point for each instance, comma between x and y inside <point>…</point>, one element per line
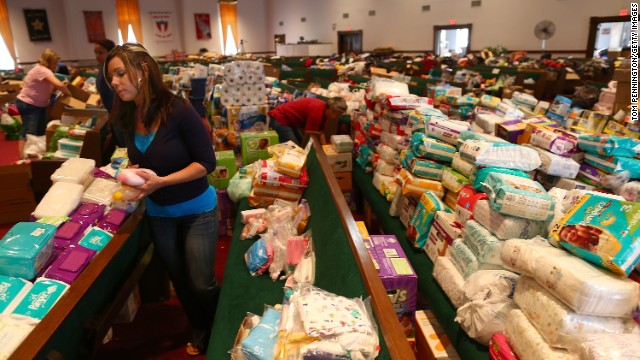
<point>293,120</point>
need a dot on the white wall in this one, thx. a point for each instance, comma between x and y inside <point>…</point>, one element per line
<point>399,24</point>
<point>402,25</point>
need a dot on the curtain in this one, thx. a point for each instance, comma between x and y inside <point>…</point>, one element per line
<point>129,13</point>
<point>5,29</point>
<point>228,17</point>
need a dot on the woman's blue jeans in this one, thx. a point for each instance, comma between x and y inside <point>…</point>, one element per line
<point>34,119</point>
<point>187,246</point>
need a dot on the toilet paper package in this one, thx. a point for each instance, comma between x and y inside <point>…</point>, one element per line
<point>556,165</point>
<point>504,226</point>
<point>505,155</point>
<point>421,167</point>
<point>583,287</point>
<point>430,148</point>
<point>557,323</point>
<point>446,130</point>
<point>517,196</point>
<point>603,231</point>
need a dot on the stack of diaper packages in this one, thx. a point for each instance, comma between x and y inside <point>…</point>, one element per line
<point>283,176</point>
<point>562,300</point>
<point>310,324</point>
<point>458,107</point>
<point>609,159</point>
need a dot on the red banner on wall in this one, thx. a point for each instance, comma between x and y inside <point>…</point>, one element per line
<point>95,26</point>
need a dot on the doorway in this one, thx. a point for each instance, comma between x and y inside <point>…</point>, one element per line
<point>278,39</point>
<point>451,40</point>
<point>609,36</point>
<point>350,42</point>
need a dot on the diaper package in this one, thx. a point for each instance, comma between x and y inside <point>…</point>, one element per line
<point>583,287</point>
<point>467,200</point>
<point>486,247</point>
<point>342,143</point>
<point>446,130</point>
<point>571,184</point>
<point>451,199</point>
<point>557,323</point>
<point>481,175</point>
<point>504,226</point>
<point>607,346</point>
<point>556,165</point>
<point>385,168</point>
<point>443,232</point>
<point>603,231</point>
<point>450,280</point>
<point>527,342</point>
<point>488,121</point>
<point>430,148</point>
<point>463,167</point>
<point>555,141</point>
<point>453,180</point>
<point>463,258</point>
<point>415,186</point>
<point>505,155</point>
<point>420,223</point>
<point>517,196</point>
<point>421,167</point>
<point>613,164</point>
<point>609,145</point>
<point>591,175</point>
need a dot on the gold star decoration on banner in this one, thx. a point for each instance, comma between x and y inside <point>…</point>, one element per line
<point>38,25</point>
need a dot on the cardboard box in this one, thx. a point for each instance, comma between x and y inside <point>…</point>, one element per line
<point>622,75</point>
<point>225,169</point>
<point>271,71</point>
<point>91,148</point>
<point>345,180</point>
<point>247,118</point>
<point>395,271</point>
<point>431,340</point>
<point>623,92</point>
<point>339,162</point>
<point>16,197</point>
<point>254,145</point>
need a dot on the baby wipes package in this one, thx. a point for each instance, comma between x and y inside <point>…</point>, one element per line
<point>603,231</point>
<point>517,196</point>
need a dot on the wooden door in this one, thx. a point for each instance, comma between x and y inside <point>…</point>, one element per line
<point>350,42</point>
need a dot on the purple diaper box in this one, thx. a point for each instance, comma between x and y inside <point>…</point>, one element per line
<point>395,271</point>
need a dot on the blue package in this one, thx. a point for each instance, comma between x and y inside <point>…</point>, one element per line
<point>261,341</point>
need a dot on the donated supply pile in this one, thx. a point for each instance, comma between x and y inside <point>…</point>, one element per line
<point>529,212</point>
<point>40,259</point>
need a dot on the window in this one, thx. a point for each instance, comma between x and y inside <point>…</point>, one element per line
<point>451,39</point>
<point>228,27</point>
<point>6,61</point>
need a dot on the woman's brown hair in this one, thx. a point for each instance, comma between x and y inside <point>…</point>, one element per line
<point>156,98</point>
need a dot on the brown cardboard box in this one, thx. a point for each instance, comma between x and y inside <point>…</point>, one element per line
<point>16,198</point>
<point>56,110</point>
<point>271,71</point>
<point>623,92</point>
<point>345,180</point>
<point>91,148</point>
<point>622,75</point>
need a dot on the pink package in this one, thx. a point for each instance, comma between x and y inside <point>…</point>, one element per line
<point>69,233</point>
<point>499,348</point>
<point>68,266</point>
<point>296,246</point>
<point>113,220</point>
<point>90,213</point>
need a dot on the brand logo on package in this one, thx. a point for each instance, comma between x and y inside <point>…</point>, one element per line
<point>40,299</point>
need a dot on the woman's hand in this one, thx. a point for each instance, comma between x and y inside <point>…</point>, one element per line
<point>152,183</point>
